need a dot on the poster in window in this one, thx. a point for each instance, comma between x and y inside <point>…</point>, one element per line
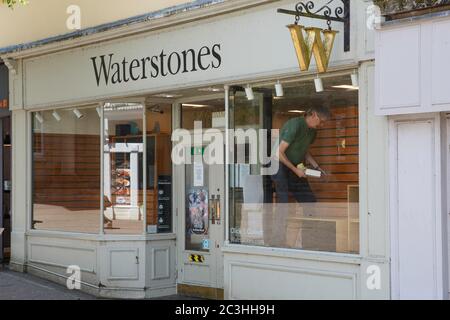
<point>197,212</point>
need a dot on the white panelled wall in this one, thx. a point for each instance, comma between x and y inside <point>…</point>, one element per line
<point>412,70</point>
<point>413,67</point>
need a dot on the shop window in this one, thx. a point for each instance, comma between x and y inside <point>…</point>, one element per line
<point>66,170</point>
<point>277,208</point>
<point>67,156</point>
<point>210,113</point>
<point>123,166</point>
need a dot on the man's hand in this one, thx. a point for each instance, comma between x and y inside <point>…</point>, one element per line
<point>300,172</point>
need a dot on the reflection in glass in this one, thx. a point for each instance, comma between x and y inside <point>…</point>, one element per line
<point>123,170</point>
<point>159,168</point>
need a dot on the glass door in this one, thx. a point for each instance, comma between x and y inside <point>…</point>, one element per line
<point>201,184</point>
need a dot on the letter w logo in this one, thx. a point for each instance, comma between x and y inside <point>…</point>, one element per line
<point>312,44</point>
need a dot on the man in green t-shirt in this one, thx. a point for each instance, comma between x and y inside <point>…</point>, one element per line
<point>296,136</point>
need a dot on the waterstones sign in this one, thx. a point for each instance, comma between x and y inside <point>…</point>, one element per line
<point>111,69</point>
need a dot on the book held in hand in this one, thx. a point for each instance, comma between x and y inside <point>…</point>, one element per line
<point>310,172</point>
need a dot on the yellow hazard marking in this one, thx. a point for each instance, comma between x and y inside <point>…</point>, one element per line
<point>196,258</point>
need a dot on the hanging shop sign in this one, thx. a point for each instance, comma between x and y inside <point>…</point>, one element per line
<point>312,43</point>
<point>309,41</point>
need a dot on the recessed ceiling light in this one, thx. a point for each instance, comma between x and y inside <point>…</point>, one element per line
<point>166,95</point>
<point>346,86</point>
<point>194,105</point>
<point>296,111</point>
<point>210,89</point>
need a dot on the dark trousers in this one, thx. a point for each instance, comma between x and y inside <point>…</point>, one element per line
<point>275,221</point>
<point>287,182</point>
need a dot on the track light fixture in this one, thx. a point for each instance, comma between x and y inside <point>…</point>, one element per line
<point>318,84</point>
<point>355,79</point>
<point>39,117</point>
<point>78,113</point>
<point>279,89</point>
<point>56,116</point>
<point>249,93</point>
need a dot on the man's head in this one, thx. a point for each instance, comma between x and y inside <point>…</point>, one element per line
<point>316,116</point>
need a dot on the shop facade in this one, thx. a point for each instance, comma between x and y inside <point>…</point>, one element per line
<point>98,118</point>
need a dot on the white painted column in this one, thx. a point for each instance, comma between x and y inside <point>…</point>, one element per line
<point>20,190</point>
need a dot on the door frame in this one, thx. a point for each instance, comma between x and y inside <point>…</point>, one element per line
<point>178,204</point>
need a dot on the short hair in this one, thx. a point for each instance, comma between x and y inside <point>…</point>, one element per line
<point>321,110</point>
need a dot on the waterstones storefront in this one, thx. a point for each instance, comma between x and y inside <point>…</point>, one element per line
<point>113,169</point>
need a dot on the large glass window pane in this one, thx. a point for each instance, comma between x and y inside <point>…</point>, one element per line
<point>210,113</point>
<point>123,166</point>
<point>66,170</point>
<point>280,209</point>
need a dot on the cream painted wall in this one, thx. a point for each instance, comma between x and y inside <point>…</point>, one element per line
<point>44,18</point>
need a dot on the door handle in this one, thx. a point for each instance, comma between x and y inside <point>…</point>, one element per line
<point>212,208</point>
<point>218,215</point>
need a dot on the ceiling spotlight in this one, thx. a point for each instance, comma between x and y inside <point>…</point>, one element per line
<point>39,117</point>
<point>56,116</point>
<point>78,113</point>
<point>355,80</point>
<point>99,111</point>
<point>279,89</point>
<point>249,93</point>
<point>319,84</point>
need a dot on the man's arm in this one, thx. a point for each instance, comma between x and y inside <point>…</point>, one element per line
<point>284,159</point>
<point>314,163</point>
<point>309,158</point>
